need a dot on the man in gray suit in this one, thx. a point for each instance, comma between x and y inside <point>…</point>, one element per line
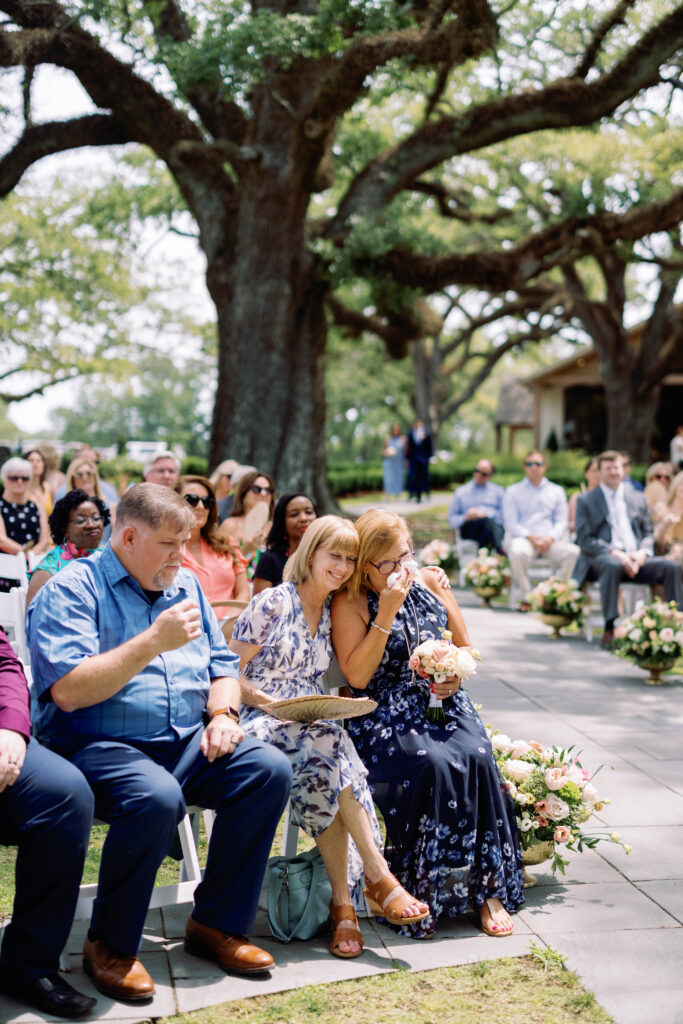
<point>614,532</point>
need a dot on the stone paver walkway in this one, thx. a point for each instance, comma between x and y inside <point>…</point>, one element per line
<point>618,919</point>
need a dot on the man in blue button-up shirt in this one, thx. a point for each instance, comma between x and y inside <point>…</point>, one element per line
<point>477,508</point>
<point>135,684</point>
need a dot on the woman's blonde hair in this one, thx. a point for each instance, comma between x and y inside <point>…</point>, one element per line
<point>377,530</point>
<point>673,487</point>
<point>75,464</point>
<point>328,531</point>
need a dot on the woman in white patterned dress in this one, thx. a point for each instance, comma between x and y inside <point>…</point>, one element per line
<point>283,640</point>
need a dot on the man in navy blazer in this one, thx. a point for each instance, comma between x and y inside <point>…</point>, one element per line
<point>614,532</point>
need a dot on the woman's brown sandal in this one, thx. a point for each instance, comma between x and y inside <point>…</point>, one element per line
<point>496,930</point>
<point>383,904</point>
<point>344,929</point>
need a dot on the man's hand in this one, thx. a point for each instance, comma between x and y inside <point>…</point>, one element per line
<point>473,513</point>
<point>541,544</point>
<point>177,625</point>
<point>12,753</point>
<point>221,737</point>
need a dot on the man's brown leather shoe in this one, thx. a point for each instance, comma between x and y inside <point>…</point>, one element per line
<point>233,952</point>
<point>115,975</point>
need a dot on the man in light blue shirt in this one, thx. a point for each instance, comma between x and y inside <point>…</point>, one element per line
<point>135,685</point>
<point>535,512</point>
<point>477,508</point>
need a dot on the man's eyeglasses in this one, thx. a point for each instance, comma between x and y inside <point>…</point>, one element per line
<point>255,489</point>
<point>482,472</point>
<point>194,499</point>
<point>534,462</point>
<point>82,520</point>
<point>386,568</point>
<point>19,479</point>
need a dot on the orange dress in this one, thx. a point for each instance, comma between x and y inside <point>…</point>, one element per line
<point>217,575</point>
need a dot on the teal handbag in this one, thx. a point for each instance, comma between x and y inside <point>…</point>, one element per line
<point>299,894</point>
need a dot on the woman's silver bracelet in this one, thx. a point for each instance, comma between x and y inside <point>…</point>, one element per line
<point>387,632</point>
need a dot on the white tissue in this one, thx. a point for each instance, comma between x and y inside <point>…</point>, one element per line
<point>407,571</point>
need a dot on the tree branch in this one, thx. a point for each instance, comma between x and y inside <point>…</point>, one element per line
<point>43,140</point>
<point>603,28</point>
<point>451,204</point>
<point>561,104</point>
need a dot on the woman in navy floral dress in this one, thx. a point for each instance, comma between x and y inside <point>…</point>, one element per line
<point>283,640</point>
<point>451,833</point>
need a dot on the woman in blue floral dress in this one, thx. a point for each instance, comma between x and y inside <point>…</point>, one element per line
<point>451,833</point>
<point>283,640</point>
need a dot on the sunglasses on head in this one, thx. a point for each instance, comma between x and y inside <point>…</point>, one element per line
<point>255,489</point>
<point>18,479</point>
<point>534,462</point>
<point>194,499</point>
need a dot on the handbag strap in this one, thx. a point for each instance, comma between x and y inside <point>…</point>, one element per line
<point>274,892</point>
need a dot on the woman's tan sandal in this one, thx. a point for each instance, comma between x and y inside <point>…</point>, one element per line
<point>344,929</point>
<point>385,901</point>
<point>491,928</point>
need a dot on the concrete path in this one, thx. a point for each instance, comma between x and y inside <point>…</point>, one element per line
<point>618,919</point>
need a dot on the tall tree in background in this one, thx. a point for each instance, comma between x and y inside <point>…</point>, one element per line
<point>251,106</point>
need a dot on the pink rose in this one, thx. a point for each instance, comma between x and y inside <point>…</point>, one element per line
<point>557,808</point>
<point>414,662</point>
<point>562,834</point>
<point>441,650</point>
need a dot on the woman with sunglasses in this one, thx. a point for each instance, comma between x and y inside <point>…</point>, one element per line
<point>76,523</point>
<point>23,525</point>
<point>214,559</point>
<point>451,833</point>
<point>253,489</point>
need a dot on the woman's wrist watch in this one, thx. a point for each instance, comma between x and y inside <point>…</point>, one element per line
<point>230,712</point>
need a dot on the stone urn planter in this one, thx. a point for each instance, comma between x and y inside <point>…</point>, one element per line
<point>655,671</point>
<point>536,854</point>
<point>486,593</point>
<point>558,622</point>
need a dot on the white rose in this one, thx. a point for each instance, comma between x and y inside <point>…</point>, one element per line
<point>501,742</point>
<point>589,793</point>
<point>575,774</point>
<point>520,747</point>
<point>556,808</point>
<point>518,770</point>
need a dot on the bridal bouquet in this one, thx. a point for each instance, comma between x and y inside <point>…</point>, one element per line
<point>557,596</point>
<point>554,796</point>
<point>439,552</point>
<point>438,660</point>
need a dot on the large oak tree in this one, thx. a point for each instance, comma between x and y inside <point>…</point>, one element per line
<point>244,103</point>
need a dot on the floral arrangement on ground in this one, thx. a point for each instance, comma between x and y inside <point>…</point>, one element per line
<point>558,596</point>
<point>554,796</point>
<point>653,634</point>
<point>439,552</point>
<point>488,570</point>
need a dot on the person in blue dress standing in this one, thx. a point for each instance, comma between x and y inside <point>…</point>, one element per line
<point>283,640</point>
<point>393,456</point>
<point>451,832</point>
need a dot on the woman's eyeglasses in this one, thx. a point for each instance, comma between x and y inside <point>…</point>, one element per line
<point>657,476</point>
<point>194,499</point>
<point>84,474</point>
<point>386,568</point>
<point>255,489</point>
<point>82,520</point>
<point>19,479</point>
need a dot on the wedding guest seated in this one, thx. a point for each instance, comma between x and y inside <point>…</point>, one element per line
<point>103,488</point>
<point>283,639</point>
<point>614,532</point>
<point>254,489</point>
<point>292,516</point>
<point>225,505</point>
<point>592,477</point>
<point>657,480</point>
<point>23,525</point>
<point>669,529</point>
<point>536,525</point>
<point>162,468</point>
<point>215,560</point>
<point>221,481</point>
<point>477,508</point>
<point>451,832</point>
<point>83,474</point>
<point>46,810</point>
<point>38,489</point>
<point>135,685</point>
<point>76,524</point>
<point>628,479</point>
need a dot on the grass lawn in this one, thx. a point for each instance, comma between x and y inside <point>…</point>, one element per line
<point>534,989</point>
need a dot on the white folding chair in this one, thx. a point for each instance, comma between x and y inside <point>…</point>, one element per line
<point>540,569</point>
<point>629,594</point>
<point>12,620</point>
<point>14,567</point>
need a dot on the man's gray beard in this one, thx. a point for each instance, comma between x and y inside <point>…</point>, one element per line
<point>163,578</point>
